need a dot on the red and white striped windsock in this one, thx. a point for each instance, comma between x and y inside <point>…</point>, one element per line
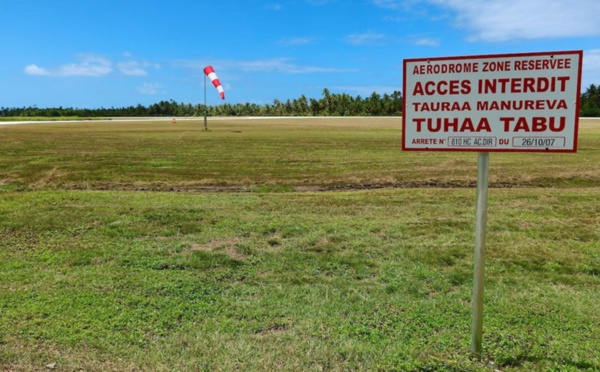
<point>210,72</point>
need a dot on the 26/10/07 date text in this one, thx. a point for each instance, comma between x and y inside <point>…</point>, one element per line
<point>550,142</point>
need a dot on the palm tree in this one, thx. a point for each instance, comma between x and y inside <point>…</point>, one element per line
<point>590,102</point>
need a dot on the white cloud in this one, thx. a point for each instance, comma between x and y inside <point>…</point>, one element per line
<point>282,65</point>
<point>501,20</point>
<point>151,89</point>
<point>132,68</point>
<point>504,20</point>
<point>92,65</point>
<point>135,68</point>
<point>35,70</point>
<point>389,4</point>
<point>272,65</point>
<point>367,38</point>
<point>296,41</point>
<point>426,42</point>
<point>89,65</point>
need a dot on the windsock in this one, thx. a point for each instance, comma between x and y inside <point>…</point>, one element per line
<point>210,72</point>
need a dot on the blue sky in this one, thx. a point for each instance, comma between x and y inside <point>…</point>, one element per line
<point>109,53</point>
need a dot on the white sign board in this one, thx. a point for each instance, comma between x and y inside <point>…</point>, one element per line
<point>492,103</point>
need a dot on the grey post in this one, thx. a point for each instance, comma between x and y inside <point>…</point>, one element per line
<point>483,169</point>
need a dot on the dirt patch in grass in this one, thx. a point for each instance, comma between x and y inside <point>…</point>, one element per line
<point>301,188</point>
<point>226,246</point>
<point>47,178</point>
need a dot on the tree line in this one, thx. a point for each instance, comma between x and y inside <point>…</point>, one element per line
<point>330,104</point>
<point>590,102</point>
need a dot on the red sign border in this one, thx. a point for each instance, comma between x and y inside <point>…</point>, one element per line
<point>488,56</point>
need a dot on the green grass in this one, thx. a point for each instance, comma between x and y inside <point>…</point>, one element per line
<point>299,154</point>
<point>264,277</point>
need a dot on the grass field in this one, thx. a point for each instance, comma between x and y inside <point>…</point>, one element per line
<point>297,245</point>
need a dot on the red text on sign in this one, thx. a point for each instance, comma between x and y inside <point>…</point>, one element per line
<point>543,64</point>
<point>452,125</point>
<point>534,124</point>
<point>442,106</point>
<point>442,87</point>
<point>525,104</point>
<point>446,68</point>
<point>493,66</point>
<point>523,85</point>
<point>426,141</point>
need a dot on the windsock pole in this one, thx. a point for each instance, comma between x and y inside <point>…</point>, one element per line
<point>209,72</point>
<point>205,107</point>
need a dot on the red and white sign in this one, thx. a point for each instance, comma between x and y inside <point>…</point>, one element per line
<point>492,103</point>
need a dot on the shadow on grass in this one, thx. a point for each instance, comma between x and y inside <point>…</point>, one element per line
<point>520,359</point>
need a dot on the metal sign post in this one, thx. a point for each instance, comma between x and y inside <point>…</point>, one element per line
<point>483,170</point>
